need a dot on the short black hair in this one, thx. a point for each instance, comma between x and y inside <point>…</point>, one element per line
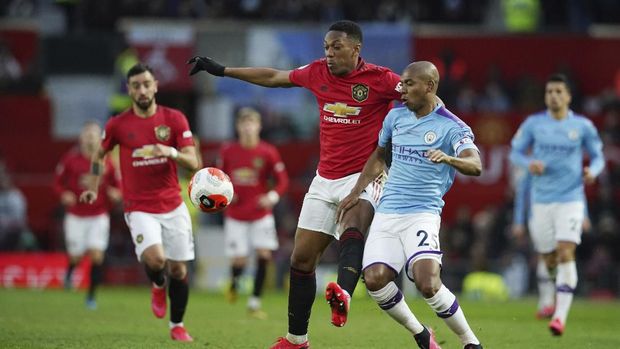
<point>139,68</point>
<point>559,78</point>
<point>351,28</point>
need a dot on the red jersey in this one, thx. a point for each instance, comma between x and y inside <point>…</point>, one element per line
<point>73,174</point>
<point>150,184</point>
<point>352,109</point>
<point>250,171</point>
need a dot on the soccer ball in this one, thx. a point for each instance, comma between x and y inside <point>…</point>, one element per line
<point>210,190</point>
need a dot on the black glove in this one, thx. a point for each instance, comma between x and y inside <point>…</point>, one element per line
<point>207,64</point>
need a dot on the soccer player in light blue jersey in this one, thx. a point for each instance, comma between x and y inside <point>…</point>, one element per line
<point>550,145</point>
<point>429,144</point>
<point>521,214</point>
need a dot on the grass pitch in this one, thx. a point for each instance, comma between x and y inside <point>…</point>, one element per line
<point>59,319</point>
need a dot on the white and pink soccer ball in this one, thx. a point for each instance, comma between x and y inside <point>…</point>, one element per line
<point>210,190</point>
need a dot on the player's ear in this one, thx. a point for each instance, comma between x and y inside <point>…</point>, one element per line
<point>156,85</point>
<point>357,48</point>
<point>430,86</point>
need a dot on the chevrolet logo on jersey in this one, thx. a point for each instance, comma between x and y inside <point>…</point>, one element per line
<point>146,151</point>
<point>341,110</point>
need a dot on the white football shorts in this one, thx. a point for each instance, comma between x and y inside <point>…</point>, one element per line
<point>399,240</point>
<point>318,212</point>
<point>86,233</point>
<point>559,221</point>
<point>172,229</point>
<point>240,236</point>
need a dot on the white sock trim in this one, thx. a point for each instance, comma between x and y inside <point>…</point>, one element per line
<point>386,293</point>
<point>295,339</point>
<point>172,324</point>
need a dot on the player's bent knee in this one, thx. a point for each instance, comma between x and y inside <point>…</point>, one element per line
<point>178,270</point>
<point>551,260</point>
<point>377,276</point>
<point>239,262</point>
<point>306,265</point>
<point>264,254</point>
<point>96,256</point>
<point>305,259</point>
<point>155,262</point>
<point>566,256</point>
<point>428,288</point>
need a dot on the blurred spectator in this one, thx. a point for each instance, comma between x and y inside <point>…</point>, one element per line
<point>467,99</point>
<point>453,72</point>
<point>494,97</point>
<point>126,58</point>
<point>521,15</point>
<point>278,128</point>
<point>458,239</point>
<point>527,93</point>
<point>18,8</point>
<point>10,70</point>
<point>13,220</point>
<point>73,16</point>
<point>389,11</point>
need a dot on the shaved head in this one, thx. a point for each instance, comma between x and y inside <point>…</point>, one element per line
<point>424,71</point>
<point>419,82</point>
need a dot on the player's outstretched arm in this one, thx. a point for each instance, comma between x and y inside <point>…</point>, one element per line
<point>467,162</point>
<point>372,169</point>
<point>267,77</point>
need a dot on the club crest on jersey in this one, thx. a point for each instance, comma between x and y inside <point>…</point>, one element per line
<point>573,135</point>
<point>430,137</point>
<point>258,162</point>
<point>139,238</point>
<point>162,132</point>
<point>359,92</point>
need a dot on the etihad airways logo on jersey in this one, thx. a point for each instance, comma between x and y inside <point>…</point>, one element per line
<point>340,112</point>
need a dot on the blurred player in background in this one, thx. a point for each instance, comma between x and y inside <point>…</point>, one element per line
<point>86,227</point>
<point>248,221</point>
<point>521,214</point>
<point>429,144</point>
<point>353,97</point>
<point>550,144</point>
<point>153,139</point>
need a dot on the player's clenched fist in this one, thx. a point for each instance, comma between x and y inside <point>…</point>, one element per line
<point>437,156</point>
<point>207,64</point>
<point>88,196</point>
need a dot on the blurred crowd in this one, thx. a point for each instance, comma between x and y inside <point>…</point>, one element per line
<point>547,15</point>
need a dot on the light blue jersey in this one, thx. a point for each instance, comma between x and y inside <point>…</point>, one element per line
<point>414,183</point>
<point>559,144</point>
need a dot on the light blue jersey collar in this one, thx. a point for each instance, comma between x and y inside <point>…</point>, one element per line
<point>429,114</point>
<point>569,115</point>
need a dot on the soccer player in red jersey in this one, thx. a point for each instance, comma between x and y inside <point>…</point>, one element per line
<point>86,227</point>
<point>248,221</point>
<point>353,98</point>
<point>153,140</point>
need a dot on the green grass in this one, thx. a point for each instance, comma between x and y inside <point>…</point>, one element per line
<point>58,319</point>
